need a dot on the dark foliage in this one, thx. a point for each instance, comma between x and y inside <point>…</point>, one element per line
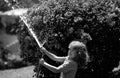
<point>3,6</point>
<point>59,23</point>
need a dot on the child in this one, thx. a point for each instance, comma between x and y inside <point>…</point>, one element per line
<point>77,57</point>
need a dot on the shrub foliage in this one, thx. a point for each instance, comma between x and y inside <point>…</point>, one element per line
<point>59,22</point>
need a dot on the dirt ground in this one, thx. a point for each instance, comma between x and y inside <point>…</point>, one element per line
<point>26,72</point>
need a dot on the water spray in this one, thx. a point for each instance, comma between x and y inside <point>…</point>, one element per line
<point>24,19</point>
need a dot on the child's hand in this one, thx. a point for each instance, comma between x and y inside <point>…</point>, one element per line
<point>41,61</point>
<point>43,50</point>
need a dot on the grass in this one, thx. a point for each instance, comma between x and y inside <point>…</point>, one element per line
<point>26,72</point>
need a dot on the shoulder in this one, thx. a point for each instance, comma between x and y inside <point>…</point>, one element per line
<point>68,66</point>
<point>71,63</point>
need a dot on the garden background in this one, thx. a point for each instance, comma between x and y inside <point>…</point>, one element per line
<point>59,22</point>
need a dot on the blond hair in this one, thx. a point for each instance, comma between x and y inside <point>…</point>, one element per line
<point>82,56</point>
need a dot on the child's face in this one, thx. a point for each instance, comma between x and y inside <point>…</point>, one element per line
<point>71,52</point>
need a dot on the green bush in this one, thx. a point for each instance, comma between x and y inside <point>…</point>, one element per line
<point>59,23</point>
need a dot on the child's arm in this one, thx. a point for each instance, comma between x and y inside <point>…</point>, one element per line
<point>62,68</point>
<point>53,56</point>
